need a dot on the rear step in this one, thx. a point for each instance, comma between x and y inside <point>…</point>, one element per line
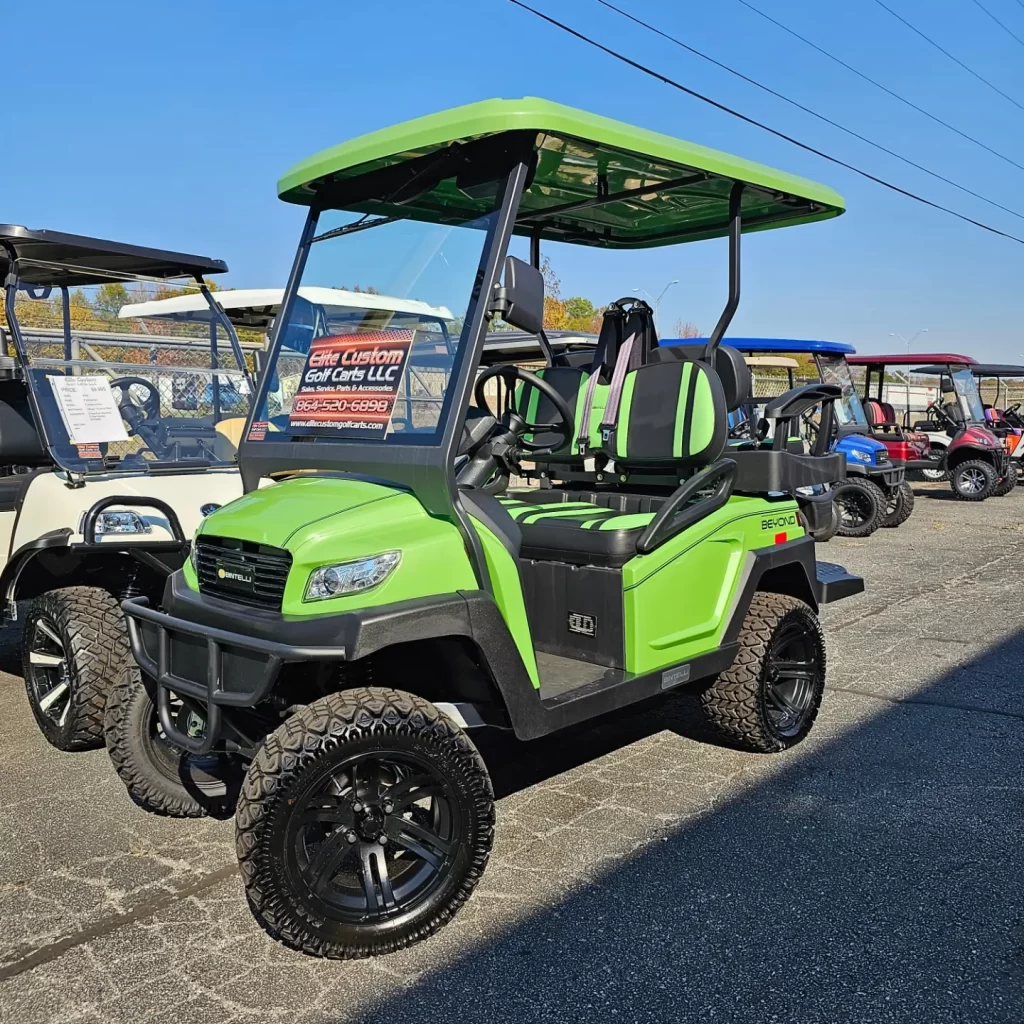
<point>833,583</point>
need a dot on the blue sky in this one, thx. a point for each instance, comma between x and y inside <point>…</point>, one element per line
<point>169,125</point>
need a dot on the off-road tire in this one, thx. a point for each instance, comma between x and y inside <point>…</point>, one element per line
<point>955,478</point>
<point>289,764</point>
<point>206,786</point>
<point>904,506</point>
<point>866,490</point>
<point>1008,483</point>
<point>736,702</point>
<point>933,476</point>
<point>95,643</point>
<point>826,533</point>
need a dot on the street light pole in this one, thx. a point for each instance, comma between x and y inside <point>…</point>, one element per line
<point>893,334</point>
<point>656,302</point>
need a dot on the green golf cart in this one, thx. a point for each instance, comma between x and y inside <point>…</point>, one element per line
<point>377,594</point>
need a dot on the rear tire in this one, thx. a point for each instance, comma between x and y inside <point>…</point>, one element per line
<point>1008,483</point>
<point>899,506</point>
<point>768,699</point>
<point>934,476</point>
<point>973,480</point>
<point>159,776</point>
<point>861,504</point>
<point>74,646</point>
<point>323,790</point>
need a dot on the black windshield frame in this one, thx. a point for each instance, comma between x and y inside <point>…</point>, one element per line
<point>426,470</point>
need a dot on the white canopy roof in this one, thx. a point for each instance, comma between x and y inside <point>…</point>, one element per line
<point>267,301</point>
<point>772,362</point>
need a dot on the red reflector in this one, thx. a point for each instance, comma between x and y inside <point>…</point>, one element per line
<point>780,538</point>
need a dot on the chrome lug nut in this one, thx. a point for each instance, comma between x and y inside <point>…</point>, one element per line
<point>352,837</point>
<point>357,807</point>
<point>388,807</point>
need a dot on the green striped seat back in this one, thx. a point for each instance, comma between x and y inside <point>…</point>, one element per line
<point>571,383</point>
<point>670,413</point>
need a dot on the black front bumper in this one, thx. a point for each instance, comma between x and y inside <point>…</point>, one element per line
<point>220,654</point>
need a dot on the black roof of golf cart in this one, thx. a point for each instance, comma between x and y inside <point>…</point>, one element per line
<point>34,261</point>
<point>55,259</point>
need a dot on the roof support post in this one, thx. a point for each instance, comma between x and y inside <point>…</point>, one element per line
<point>223,320</point>
<point>735,230</point>
<point>10,299</point>
<point>65,308</point>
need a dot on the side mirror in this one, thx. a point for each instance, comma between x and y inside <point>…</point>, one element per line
<point>520,300</point>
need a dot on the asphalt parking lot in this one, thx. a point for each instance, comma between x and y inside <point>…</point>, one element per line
<point>641,872</point>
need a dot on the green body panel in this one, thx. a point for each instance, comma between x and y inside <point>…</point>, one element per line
<point>574,147</point>
<point>677,600</point>
<point>508,595</point>
<point>322,520</point>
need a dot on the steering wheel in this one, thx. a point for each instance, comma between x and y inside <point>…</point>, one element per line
<point>940,415</point>
<point>144,413</point>
<point>512,419</point>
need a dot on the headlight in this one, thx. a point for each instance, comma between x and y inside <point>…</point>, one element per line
<point>350,577</point>
<point>118,522</point>
<point>862,456</point>
<point>193,555</point>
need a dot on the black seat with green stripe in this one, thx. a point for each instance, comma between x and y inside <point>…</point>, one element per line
<point>672,415</point>
<point>625,318</point>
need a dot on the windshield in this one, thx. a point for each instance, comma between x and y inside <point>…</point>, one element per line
<point>117,392</point>
<point>848,409</point>
<point>372,337</point>
<point>968,398</point>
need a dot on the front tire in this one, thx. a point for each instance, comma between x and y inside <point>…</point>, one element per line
<point>899,506</point>
<point>768,699</point>
<point>861,504</point>
<point>973,480</point>
<point>73,648</point>
<point>159,776</point>
<point>365,822</point>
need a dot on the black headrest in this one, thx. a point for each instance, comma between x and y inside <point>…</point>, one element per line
<point>625,317</point>
<point>730,367</point>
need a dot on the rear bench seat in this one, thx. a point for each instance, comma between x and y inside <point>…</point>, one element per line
<point>672,416</point>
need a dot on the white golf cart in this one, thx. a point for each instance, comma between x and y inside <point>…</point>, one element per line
<point>114,443</point>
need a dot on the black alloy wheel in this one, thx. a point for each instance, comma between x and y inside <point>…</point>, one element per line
<point>365,821</point>
<point>373,837</point>
<point>792,671</point>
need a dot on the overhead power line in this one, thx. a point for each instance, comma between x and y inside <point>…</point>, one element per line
<point>884,88</point>
<point>955,60</point>
<point>759,124</point>
<point>808,110</point>
<point>1006,28</point>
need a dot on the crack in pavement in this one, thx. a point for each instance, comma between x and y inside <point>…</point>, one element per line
<point>30,959</point>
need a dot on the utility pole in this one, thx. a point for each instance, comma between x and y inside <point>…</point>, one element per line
<point>656,302</point>
<point>893,334</point>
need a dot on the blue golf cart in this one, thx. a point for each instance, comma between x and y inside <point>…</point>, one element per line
<point>875,492</point>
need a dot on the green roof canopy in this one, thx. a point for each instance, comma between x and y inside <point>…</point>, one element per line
<point>662,190</point>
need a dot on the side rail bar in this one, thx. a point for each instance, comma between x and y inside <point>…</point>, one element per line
<point>674,516</point>
<point>787,409</point>
<point>89,529</point>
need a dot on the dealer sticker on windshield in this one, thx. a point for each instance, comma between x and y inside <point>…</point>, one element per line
<point>350,384</point>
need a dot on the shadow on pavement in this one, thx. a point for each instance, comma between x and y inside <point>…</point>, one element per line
<point>873,877</point>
